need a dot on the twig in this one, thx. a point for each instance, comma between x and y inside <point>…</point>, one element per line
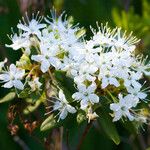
<point>51,76</point>
<point>54,140</point>
<point>67,139</point>
<point>148,135</point>
<point>84,135</point>
<point>141,141</point>
<point>21,143</point>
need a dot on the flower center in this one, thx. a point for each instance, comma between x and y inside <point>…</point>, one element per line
<point>47,57</point>
<point>12,77</point>
<point>86,94</point>
<point>123,108</point>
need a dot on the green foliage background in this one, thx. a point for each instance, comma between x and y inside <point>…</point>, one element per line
<point>131,15</point>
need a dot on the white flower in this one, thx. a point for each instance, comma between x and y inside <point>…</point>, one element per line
<point>33,26</point>
<point>89,47</point>
<point>19,42</point>
<point>104,36</point>
<point>122,59</point>
<point>63,106</point>
<point>13,77</point>
<point>122,40</point>
<point>122,108</point>
<point>132,79</point>
<point>109,81</point>
<point>86,95</point>
<point>35,84</point>
<point>83,77</point>
<point>65,31</point>
<point>70,66</point>
<point>113,37</point>
<point>108,58</point>
<point>86,72</point>
<point>2,63</point>
<point>47,58</point>
<point>136,91</point>
<point>87,67</point>
<point>142,65</point>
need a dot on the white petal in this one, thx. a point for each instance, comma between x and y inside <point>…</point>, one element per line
<point>55,62</point>
<point>130,89</point>
<point>20,73</point>
<point>84,104</point>
<point>120,96</point>
<point>113,81</point>
<point>134,102</point>
<point>142,95</point>
<point>131,118</point>
<point>147,73</point>
<point>132,48</point>
<point>90,78</point>
<point>104,82</point>
<point>92,69</point>
<point>8,85</point>
<point>118,115</point>
<point>4,77</point>
<point>18,84</point>
<point>71,109</point>
<point>136,84</point>
<point>40,26</point>
<point>45,66</point>
<point>91,88</point>
<point>63,114</point>
<point>62,96</point>
<point>22,27</point>
<point>37,58</point>
<point>82,88</point>
<point>114,106</point>
<point>77,96</point>
<point>93,98</point>
<point>57,105</point>
<point>79,79</point>
<point>127,82</point>
<point>13,69</point>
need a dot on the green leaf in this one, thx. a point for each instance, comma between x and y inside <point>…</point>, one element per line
<point>131,127</point>
<point>66,83</point>
<point>108,126</point>
<point>49,123</point>
<point>30,108</point>
<point>10,96</point>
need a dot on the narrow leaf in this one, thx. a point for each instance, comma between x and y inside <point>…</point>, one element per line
<point>10,96</point>
<point>108,126</point>
<point>30,108</point>
<point>49,123</point>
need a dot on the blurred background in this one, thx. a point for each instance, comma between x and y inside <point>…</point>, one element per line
<point>131,15</point>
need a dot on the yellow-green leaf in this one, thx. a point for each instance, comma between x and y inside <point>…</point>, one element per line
<point>49,123</point>
<point>10,96</point>
<point>30,108</point>
<point>108,126</point>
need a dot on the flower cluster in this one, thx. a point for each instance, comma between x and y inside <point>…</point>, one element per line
<point>105,66</point>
